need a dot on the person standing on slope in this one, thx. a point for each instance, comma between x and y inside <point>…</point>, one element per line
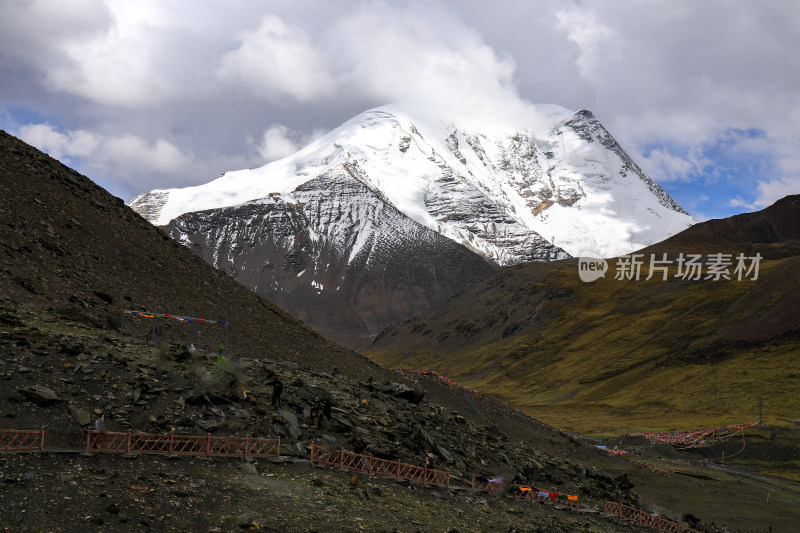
<point>316,411</point>
<point>277,390</point>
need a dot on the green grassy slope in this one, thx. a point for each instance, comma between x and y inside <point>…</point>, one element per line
<point>618,355</point>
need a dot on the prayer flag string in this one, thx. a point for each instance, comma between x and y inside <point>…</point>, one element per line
<point>174,317</point>
<point>698,438</point>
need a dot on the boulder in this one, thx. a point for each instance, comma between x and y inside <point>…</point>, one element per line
<point>445,454</point>
<point>424,437</point>
<point>288,417</point>
<point>327,440</point>
<point>80,416</point>
<point>309,392</point>
<point>405,392</point>
<point>208,426</point>
<point>361,432</point>
<point>295,432</point>
<point>340,423</point>
<point>494,430</point>
<point>380,405</point>
<point>287,431</point>
<point>40,395</point>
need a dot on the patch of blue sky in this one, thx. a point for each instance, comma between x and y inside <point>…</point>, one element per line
<point>714,173</point>
<point>13,117</point>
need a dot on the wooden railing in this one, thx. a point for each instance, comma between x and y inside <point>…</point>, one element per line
<point>21,440</point>
<point>375,465</point>
<point>646,519</point>
<point>171,444</point>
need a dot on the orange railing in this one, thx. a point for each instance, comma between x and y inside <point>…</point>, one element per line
<point>646,519</point>
<point>171,444</point>
<point>21,440</point>
<point>375,465</point>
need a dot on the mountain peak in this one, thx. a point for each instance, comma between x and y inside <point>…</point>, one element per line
<point>564,183</point>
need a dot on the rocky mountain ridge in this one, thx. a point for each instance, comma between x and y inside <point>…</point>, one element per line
<point>361,280</point>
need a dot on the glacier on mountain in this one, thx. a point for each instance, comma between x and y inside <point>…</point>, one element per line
<point>511,196</point>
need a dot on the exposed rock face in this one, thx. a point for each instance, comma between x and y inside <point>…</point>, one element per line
<point>150,203</point>
<point>336,253</point>
<point>40,395</point>
<point>588,128</point>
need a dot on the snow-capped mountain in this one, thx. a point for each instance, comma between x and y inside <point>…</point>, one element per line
<point>330,222</point>
<point>510,196</point>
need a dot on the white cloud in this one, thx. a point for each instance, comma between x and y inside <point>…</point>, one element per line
<point>278,142</point>
<point>275,143</point>
<point>593,38</point>
<point>432,65</point>
<point>129,157</point>
<point>738,201</point>
<point>33,31</point>
<point>278,61</point>
<point>77,143</point>
<point>104,52</point>
<point>160,155</point>
<point>186,84</point>
<point>768,192</point>
<point>665,166</point>
<point>771,190</point>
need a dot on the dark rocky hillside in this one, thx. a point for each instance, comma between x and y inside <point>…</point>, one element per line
<point>138,388</point>
<point>777,224</point>
<point>66,244</point>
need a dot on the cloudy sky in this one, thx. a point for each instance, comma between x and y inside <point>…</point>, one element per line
<point>145,94</point>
